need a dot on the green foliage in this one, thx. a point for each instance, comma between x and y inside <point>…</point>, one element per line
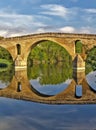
<point>5,56</point>
<point>52,64</point>
<point>6,74</point>
<point>48,52</point>
<point>78,47</point>
<point>4,61</point>
<point>91,60</point>
<point>50,73</point>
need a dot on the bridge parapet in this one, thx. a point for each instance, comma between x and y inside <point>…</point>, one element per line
<point>55,34</point>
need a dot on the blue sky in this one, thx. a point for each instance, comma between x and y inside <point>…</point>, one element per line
<point>20,17</point>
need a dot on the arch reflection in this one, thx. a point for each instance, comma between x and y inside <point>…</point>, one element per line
<point>28,92</point>
<point>6,68</point>
<point>91,79</point>
<point>49,79</point>
<point>6,76</point>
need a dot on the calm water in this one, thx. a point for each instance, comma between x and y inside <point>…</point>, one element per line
<point>47,79</point>
<point>50,79</point>
<point>23,115</point>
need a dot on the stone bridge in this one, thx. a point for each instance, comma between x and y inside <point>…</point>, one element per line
<point>20,47</point>
<point>21,89</point>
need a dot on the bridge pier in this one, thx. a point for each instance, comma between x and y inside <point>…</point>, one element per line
<point>78,74</point>
<point>20,63</point>
<point>78,69</point>
<point>78,64</point>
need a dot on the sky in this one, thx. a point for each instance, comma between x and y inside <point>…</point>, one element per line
<point>22,17</point>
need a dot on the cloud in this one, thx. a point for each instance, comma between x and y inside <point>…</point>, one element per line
<point>19,24</point>
<point>67,29</point>
<point>68,14</point>
<point>17,19</point>
<point>40,30</point>
<point>54,9</point>
<point>3,32</point>
<point>71,29</point>
<point>86,30</point>
<point>91,11</point>
<point>48,18</point>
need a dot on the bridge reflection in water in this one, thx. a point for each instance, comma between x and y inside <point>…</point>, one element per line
<point>20,88</point>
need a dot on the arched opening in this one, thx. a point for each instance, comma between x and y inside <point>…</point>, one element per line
<point>49,67</point>
<point>18,49</point>
<point>19,87</point>
<point>78,47</point>
<point>6,68</point>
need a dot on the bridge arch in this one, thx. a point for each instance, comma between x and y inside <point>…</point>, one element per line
<point>8,52</point>
<point>35,43</point>
<point>8,49</point>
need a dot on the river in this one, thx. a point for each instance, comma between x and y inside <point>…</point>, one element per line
<point>51,80</point>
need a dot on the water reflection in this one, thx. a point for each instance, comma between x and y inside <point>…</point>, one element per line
<point>50,78</point>
<point>63,91</point>
<point>79,91</point>
<point>91,79</point>
<point>6,75</point>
